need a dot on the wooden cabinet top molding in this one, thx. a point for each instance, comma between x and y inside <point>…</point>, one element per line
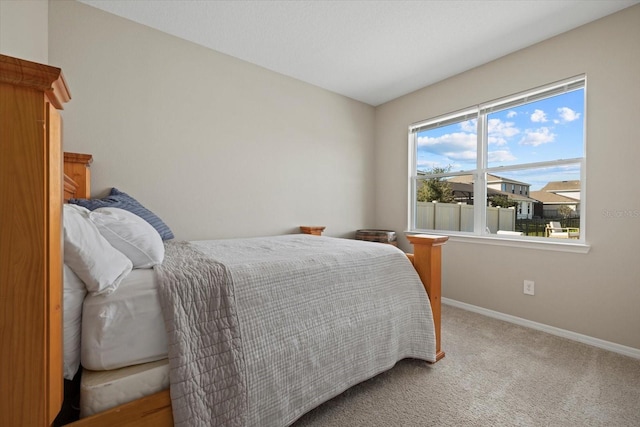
<point>84,159</point>
<point>42,77</point>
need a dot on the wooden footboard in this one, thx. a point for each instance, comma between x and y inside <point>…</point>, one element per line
<point>427,260</point>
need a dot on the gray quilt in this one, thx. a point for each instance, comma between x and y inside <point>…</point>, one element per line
<point>316,315</point>
<point>206,364</point>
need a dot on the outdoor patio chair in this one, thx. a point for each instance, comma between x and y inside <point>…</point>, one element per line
<point>554,229</point>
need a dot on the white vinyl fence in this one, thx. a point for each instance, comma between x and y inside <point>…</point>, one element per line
<point>459,217</point>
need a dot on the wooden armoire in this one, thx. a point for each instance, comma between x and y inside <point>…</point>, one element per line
<point>31,180</point>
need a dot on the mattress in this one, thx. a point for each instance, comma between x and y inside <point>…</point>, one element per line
<point>125,327</point>
<point>102,390</point>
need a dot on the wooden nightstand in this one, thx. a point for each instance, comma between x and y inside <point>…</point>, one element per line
<point>313,230</point>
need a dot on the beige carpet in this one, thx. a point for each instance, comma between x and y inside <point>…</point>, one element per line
<point>494,374</point>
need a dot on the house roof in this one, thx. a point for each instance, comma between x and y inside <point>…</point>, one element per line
<point>462,179</point>
<point>496,178</point>
<point>559,186</point>
<point>552,198</point>
<point>464,188</point>
<point>490,179</point>
<point>517,197</point>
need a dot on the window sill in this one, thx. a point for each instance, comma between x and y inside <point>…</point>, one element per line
<point>557,245</point>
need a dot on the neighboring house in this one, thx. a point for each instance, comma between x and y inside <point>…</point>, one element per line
<point>507,185</point>
<point>515,191</point>
<point>556,194</point>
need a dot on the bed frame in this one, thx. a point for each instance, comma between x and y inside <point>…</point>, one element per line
<point>155,410</point>
<point>32,189</point>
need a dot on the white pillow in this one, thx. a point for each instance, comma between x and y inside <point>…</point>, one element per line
<point>98,264</point>
<point>131,235</point>
<point>74,293</point>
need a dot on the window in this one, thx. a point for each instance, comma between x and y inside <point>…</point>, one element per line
<point>465,167</point>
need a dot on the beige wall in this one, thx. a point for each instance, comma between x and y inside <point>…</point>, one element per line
<point>221,148</point>
<point>24,29</point>
<point>596,294</point>
<point>215,146</point>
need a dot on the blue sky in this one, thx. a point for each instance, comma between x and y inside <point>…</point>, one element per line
<point>548,129</point>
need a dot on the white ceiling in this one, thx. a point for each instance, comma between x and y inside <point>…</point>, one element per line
<point>372,51</point>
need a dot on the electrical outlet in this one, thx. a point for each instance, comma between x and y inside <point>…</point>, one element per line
<point>529,287</point>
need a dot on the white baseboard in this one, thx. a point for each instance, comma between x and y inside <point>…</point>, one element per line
<point>585,339</point>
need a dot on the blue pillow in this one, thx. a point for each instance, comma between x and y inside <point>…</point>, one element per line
<point>118,199</point>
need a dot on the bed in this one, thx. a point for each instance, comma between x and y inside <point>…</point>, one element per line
<point>37,392</point>
<point>293,361</point>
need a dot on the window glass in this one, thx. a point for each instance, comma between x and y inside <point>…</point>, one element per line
<point>443,148</point>
<point>540,131</point>
<point>444,203</point>
<point>512,167</point>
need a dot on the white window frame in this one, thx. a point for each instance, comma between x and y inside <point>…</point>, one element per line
<point>481,112</point>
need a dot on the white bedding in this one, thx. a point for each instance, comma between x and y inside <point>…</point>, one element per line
<point>125,327</point>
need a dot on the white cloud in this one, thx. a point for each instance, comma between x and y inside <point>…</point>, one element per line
<point>455,146</point>
<point>512,114</point>
<point>567,114</point>
<point>538,116</point>
<point>427,164</point>
<point>499,156</point>
<point>537,137</point>
<point>469,126</point>
<point>499,131</point>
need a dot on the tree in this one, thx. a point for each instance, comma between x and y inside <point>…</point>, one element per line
<point>565,211</point>
<point>501,200</point>
<point>435,189</point>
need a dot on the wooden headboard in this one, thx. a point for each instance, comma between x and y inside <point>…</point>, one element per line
<point>77,176</point>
